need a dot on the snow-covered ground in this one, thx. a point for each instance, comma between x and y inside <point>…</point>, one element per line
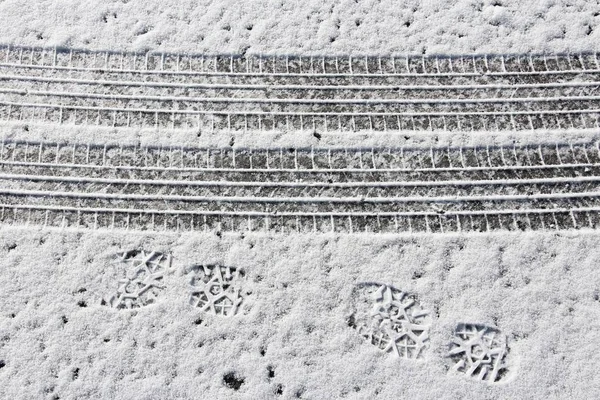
<point>303,312</point>
<point>378,27</point>
<point>57,339</point>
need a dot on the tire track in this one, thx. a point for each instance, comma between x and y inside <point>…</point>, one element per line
<point>315,94</point>
<point>301,190</point>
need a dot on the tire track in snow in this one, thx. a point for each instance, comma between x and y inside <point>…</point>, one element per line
<point>315,94</point>
<point>301,190</point>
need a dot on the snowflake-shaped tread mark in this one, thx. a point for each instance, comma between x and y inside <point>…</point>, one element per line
<point>143,281</point>
<point>215,289</point>
<point>396,322</point>
<point>479,351</point>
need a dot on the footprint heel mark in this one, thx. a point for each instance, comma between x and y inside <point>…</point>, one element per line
<point>391,319</point>
<point>144,279</point>
<point>480,352</point>
<point>216,289</point>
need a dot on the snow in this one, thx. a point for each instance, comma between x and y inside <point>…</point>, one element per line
<point>540,289</point>
<point>306,27</point>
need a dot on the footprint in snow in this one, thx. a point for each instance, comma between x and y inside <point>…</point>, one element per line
<point>480,352</point>
<point>216,289</point>
<point>391,320</point>
<point>143,283</point>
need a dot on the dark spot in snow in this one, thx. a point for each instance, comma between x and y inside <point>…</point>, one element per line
<point>82,290</point>
<point>227,27</point>
<point>232,381</point>
<point>26,128</point>
<point>131,254</point>
<point>351,321</point>
<point>102,302</point>
<point>290,150</point>
<point>417,274</point>
<point>231,142</point>
<point>198,321</point>
<point>317,135</point>
<point>356,389</point>
<point>2,364</point>
<point>589,30</point>
<point>11,246</point>
<point>200,370</point>
<point>279,390</point>
<point>357,22</point>
<point>12,315</point>
<point>249,27</point>
<point>263,351</point>
<point>64,319</point>
<point>406,137</point>
<point>407,24</point>
<point>39,36</point>
<point>271,371</point>
<point>81,303</point>
<point>75,373</point>
<point>106,340</point>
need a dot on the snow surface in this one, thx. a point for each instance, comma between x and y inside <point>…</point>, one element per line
<point>540,289</point>
<point>329,27</point>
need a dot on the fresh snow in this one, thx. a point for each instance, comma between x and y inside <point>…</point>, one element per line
<point>541,290</point>
<point>377,27</point>
<point>302,325</point>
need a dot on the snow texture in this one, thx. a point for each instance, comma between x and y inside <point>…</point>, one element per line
<point>306,27</point>
<point>293,335</point>
<point>287,328</point>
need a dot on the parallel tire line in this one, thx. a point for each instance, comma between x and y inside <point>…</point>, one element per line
<point>570,202</point>
<point>313,222</point>
<point>506,111</point>
<point>230,86</point>
<point>39,155</point>
<point>293,66</point>
<point>302,184</point>
<point>291,114</point>
<point>297,101</point>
